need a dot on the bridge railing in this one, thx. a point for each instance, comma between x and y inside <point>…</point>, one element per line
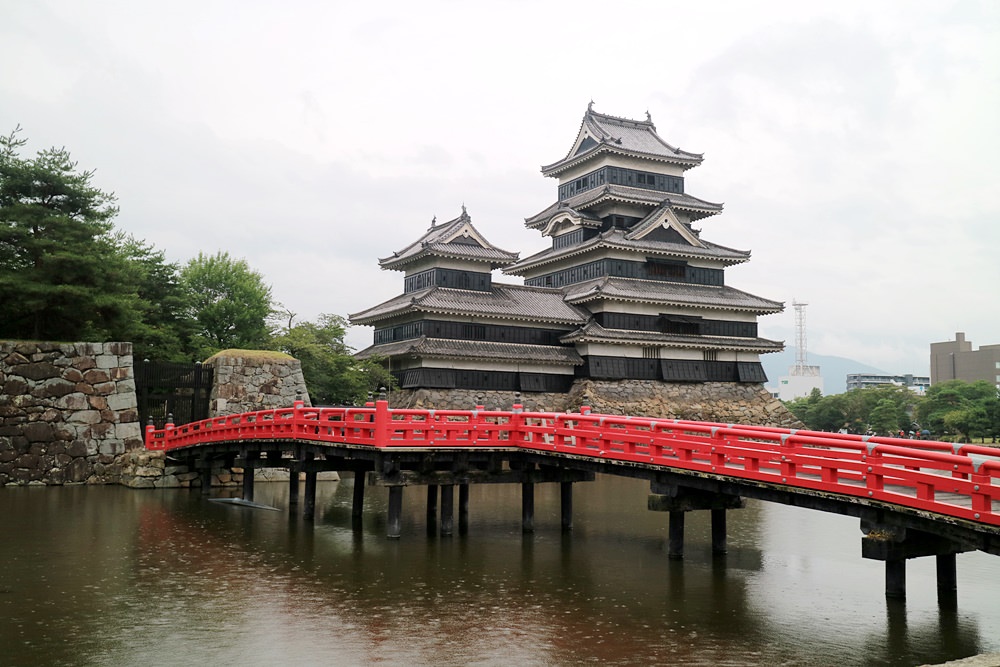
<point>957,480</point>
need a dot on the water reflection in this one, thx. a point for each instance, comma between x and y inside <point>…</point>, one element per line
<point>114,576</point>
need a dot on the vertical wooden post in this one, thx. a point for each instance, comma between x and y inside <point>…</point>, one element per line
<point>675,538</point>
<point>527,507</point>
<point>293,484</point>
<point>947,581</point>
<point>309,502</point>
<point>895,578</point>
<point>463,509</point>
<point>395,519</point>
<point>358,505</point>
<point>566,505</point>
<point>205,468</point>
<point>248,479</point>
<point>719,545</point>
<point>432,507</point>
<point>447,509</point>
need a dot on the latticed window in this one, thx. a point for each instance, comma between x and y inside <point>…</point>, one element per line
<point>650,352</point>
<point>711,355</point>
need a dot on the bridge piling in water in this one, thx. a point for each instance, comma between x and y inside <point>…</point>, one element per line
<point>677,500</point>
<point>896,544</point>
<point>447,509</point>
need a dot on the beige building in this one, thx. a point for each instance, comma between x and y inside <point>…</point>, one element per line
<point>956,360</point>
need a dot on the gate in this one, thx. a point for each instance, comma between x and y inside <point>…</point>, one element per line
<point>165,388</point>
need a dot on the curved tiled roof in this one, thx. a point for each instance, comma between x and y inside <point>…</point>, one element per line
<point>617,239</point>
<point>696,208</point>
<point>476,350</point>
<point>669,293</point>
<point>595,333</point>
<point>536,304</point>
<point>438,241</point>
<point>602,133</point>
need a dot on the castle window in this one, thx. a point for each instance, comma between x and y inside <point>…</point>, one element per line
<point>711,355</point>
<point>650,352</point>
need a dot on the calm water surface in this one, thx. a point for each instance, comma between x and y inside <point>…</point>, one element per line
<point>111,576</point>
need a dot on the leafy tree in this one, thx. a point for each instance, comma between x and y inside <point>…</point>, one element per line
<point>333,376</point>
<point>955,396</point>
<point>60,277</point>
<point>229,302</point>
<point>164,331</point>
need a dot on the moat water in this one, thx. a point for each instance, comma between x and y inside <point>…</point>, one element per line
<point>112,576</point>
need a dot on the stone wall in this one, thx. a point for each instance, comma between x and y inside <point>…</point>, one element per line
<point>247,380</point>
<point>67,412</point>
<point>724,402</point>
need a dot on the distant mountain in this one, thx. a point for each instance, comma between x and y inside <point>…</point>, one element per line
<point>834,370</point>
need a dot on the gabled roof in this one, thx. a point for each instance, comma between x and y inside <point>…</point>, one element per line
<point>595,333</point>
<point>448,348</point>
<point>600,133</point>
<point>664,216</point>
<point>696,208</point>
<point>534,304</point>
<point>669,294</point>
<point>619,239</point>
<point>455,239</point>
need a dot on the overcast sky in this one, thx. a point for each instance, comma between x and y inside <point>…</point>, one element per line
<point>854,144</point>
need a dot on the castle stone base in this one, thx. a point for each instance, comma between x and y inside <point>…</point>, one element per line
<point>724,402</point>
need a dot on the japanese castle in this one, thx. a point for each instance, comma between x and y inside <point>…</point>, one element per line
<point>628,289</point>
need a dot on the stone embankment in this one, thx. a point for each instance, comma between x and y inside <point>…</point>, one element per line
<point>67,412</point>
<point>709,401</point>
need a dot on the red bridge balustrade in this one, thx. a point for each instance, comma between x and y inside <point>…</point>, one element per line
<point>952,480</point>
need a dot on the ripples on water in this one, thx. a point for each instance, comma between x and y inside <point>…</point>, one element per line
<point>111,576</point>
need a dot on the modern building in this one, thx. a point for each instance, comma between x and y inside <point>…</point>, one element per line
<point>956,360</point>
<point>628,289</point>
<point>914,383</point>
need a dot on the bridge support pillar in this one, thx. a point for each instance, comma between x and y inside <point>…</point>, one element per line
<point>205,470</point>
<point>676,499</point>
<point>719,545</point>
<point>248,474</point>
<point>309,502</point>
<point>947,580</point>
<point>463,509</point>
<point>358,503</point>
<point>527,507</point>
<point>394,526</point>
<point>895,579</point>
<point>566,505</point>
<point>447,509</point>
<point>293,485</point>
<point>896,544</point>
<point>432,508</point>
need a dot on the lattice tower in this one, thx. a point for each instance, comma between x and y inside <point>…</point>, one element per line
<point>801,355</point>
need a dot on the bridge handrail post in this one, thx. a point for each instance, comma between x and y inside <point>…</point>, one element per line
<point>874,474</point>
<point>516,433</point>
<point>381,426</point>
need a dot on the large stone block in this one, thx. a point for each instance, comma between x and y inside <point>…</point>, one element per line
<point>37,371</point>
<point>39,432</point>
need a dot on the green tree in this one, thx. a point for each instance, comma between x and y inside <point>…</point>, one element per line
<point>332,374</point>
<point>164,330</point>
<point>229,302</point>
<point>60,277</point>
<point>956,396</point>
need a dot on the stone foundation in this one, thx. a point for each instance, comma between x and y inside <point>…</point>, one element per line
<point>248,380</point>
<point>724,402</point>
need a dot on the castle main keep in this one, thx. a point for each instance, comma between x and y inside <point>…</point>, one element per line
<point>628,292</point>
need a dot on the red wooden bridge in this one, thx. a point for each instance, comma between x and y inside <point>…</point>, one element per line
<point>914,498</point>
